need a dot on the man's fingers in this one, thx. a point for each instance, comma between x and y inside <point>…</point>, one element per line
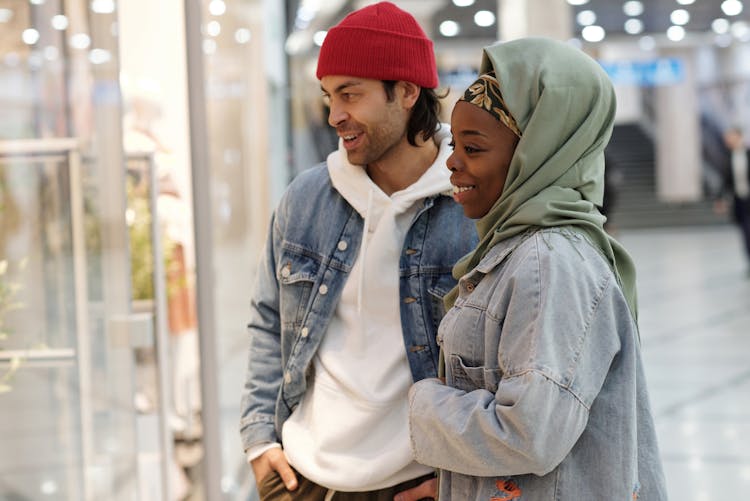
<point>427,489</point>
<point>285,471</point>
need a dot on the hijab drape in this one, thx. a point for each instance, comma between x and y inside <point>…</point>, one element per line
<point>564,106</point>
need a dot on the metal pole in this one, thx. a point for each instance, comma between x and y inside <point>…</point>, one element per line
<point>202,210</point>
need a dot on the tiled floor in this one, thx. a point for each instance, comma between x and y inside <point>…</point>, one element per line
<point>694,296</point>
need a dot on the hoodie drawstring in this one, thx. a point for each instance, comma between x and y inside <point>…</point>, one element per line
<point>363,253</point>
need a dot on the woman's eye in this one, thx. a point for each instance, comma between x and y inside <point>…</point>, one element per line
<point>471,149</point>
<point>452,144</point>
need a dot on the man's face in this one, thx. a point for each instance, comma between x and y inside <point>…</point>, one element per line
<point>369,125</point>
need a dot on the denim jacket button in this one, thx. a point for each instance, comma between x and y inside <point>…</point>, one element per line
<point>409,300</point>
<point>285,271</point>
<point>342,245</point>
<point>323,289</point>
<point>411,252</point>
<point>305,331</point>
<point>469,287</point>
<point>288,377</point>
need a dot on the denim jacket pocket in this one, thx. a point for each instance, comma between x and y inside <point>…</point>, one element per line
<point>469,378</point>
<point>440,286</point>
<point>296,274</point>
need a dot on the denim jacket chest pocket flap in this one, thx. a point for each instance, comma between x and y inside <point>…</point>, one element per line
<point>469,378</point>
<point>296,273</point>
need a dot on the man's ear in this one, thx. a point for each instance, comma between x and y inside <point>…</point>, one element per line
<point>409,92</point>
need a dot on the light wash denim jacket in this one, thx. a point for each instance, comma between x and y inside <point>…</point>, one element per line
<point>545,396</point>
<point>313,243</point>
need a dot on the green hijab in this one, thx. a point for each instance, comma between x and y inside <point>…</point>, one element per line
<point>564,106</point>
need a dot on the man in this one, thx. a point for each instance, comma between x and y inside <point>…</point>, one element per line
<point>349,293</point>
<point>737,184</point>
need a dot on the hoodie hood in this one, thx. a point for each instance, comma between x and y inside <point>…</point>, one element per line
<point>353,183</point>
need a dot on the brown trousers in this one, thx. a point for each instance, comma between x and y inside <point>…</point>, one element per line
<point>272,489</point>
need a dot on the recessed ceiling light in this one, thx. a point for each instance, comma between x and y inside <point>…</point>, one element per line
<point>59,22</point>
<point>484,18</point>
<point>593,33</point>
<point>685,2</point>
<point>586,17</point>
<point>578,2</point>
<point>740,30</point>
<point>633,8</point>
<point>449,28</point>
<point>731,7</point>
<point>463,3</point>
<point>244,35</point>
<point>720,25</point>
<point>676,33</point>
<point>30,36</point>
<point>633,26</point>
<point>680,17</point>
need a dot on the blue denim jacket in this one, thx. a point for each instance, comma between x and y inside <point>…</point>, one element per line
<point>313,243</point>
<point>545,396</point>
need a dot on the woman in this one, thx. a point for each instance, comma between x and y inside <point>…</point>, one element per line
<point>544,395</point>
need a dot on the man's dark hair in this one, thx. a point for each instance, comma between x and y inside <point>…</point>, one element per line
<point>425,116</point>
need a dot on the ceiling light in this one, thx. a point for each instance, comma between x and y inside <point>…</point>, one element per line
<point>676,33</point>
<point>685,2</point>
<point>593,33</point>
<point>578,2</point>
<point>213,28</point>
<point>209,46</point>
<point>80,41</point>
<point>59,22</point>
<point>586,17</point>
<point>731,7</point>
<point>100,56</point>
<point>449,28</point>
<point>5,15</point>
<point>680,17</point>
<point>633,8</point>
<point>720,25</point>
<point>318,37</point>
<point>103,6</point>
<point>217,7</point>
<point>741,31</point>
<point>30,36</point>
<point>242,35</point>
<point>633,26</point>
<point>462,3</point>
<point>36,2</point>
<point>484,18</point>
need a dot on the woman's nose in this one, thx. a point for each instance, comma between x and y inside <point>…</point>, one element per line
<point>452,162</point>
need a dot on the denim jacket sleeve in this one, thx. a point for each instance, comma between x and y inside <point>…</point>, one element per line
<point>264,369</point>
<point>547,338</point>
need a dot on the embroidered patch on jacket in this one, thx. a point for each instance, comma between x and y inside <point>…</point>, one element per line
<point>508,490</point>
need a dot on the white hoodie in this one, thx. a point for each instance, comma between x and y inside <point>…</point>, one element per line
<point>350,431</point>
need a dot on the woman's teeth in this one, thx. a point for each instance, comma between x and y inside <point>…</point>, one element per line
<point>461,189</point>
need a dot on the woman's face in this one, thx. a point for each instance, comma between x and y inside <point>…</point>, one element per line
<point>482,150</point>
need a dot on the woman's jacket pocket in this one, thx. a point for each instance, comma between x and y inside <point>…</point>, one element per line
<point>469,378</point>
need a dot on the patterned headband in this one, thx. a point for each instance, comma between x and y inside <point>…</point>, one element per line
<point>485,93</point>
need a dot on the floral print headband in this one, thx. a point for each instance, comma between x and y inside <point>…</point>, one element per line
<point>485,93</point>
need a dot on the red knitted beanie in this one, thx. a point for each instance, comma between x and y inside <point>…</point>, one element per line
<point>381,42</point>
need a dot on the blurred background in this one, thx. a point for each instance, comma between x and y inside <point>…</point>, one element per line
<point>144,144</point>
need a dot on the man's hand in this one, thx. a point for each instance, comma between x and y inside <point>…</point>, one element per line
<point>426,490</point>
<point>274,460</point>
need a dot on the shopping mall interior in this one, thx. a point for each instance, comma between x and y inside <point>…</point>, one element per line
<point>144,145</point>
